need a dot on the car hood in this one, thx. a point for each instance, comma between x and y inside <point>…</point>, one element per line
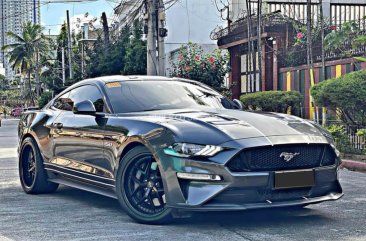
<point>215,126</point>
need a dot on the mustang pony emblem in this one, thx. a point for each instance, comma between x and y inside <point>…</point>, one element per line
<point>288,156</point>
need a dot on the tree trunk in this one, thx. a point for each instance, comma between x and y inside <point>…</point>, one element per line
<point>38,84</point>
<point>105,28</point>
<point>30,89</point>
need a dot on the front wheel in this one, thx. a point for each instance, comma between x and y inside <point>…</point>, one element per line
<point>140,188</point>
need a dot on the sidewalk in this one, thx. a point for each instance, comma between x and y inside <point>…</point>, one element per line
<point>353,165</point>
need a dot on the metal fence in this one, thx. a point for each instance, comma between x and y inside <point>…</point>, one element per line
<point>357,142</point>
<point>352,143</point>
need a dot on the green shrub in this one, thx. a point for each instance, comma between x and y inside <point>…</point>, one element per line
<point>342,140</point>
<point>208,68</point>
<point>273,101</point>
<point>346,94</point>
<point>44,99</point>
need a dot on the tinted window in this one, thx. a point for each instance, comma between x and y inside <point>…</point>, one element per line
<point>63,102</point>
<point>88,92</point>
<point>135,96</point>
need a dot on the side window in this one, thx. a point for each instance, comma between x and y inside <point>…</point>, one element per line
<point>63,102</point>
<point>88,92</point>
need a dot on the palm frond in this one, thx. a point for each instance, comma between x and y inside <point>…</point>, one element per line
<point>16,36</point>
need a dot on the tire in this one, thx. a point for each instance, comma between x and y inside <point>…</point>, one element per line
<point>139,188</point>
<point>33,176</point>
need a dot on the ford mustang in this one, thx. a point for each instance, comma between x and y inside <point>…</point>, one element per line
<point>166,147</point>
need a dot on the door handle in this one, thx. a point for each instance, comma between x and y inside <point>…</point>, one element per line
<point>58,125</point>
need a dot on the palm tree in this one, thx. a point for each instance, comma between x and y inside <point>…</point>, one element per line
<point>26,53</point>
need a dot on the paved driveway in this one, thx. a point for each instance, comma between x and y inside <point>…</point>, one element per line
<point>70,214</point>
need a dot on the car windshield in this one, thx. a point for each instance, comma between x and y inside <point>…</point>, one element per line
<point>136,96</point>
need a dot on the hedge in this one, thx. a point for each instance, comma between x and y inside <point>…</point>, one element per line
<point>346,94</point>
<point>273,101</point>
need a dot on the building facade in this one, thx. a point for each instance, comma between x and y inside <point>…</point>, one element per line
<point>282,61</point>
<point>13,14</point>
<point>337,11</point>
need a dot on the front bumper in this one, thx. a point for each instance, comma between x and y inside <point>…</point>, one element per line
<point>240,190</point>
<point>260,205</point>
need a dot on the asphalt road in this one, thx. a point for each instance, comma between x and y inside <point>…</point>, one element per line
<point>70,214</point>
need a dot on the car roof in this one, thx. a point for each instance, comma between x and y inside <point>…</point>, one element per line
<point>114,78</point>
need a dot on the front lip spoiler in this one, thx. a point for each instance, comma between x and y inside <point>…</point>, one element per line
<point>274,204</point>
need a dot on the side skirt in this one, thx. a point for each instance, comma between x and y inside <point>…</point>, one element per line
<point>86,184</point>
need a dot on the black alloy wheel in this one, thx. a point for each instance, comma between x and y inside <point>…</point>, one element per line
<point>28,166</point>
<point>140,188</point>
<point>33,176</point>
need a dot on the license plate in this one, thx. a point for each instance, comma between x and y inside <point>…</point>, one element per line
<point>292,179</point>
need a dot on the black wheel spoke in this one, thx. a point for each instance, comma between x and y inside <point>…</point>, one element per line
<point>137,181</point>
<point>160,197</point>
<point>136,191</point>
<point>147,193</point>
<point>141,201</point>
<point>28,166</point>
<point>152,203</point>
<point>32,169</point>
<point>148,168</point>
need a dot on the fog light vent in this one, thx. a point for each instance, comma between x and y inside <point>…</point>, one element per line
<point>199,176</point>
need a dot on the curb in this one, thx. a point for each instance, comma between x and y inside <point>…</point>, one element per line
<point>353,165</point>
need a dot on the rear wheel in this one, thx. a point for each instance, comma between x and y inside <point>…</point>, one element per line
<point>33,177</point>
<point>140,188</point>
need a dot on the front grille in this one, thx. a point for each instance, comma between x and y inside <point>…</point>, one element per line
<point>269,158</point>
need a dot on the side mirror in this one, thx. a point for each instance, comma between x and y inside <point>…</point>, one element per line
<point>238,104</point>
<point>85,107</point>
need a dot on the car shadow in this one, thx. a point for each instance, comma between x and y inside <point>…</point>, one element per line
<point>247,219</point>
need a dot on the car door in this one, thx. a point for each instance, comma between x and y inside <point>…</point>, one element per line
<point>60,128</point>
<point>79,144</point>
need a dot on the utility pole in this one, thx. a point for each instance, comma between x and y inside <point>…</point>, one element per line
<point>162,33</point>
<point>63,65</point>
<point>152,61</point>
<point>249,53</point>
<point>259,41</point>
<point>310,55</point>
<point>324,110</point>
<point>69,43</point>
<point>82,59</point>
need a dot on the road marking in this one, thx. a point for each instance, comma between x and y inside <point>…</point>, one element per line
<point>8,152</point>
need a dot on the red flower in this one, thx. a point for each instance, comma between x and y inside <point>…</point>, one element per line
<point>187,68</point>
<point>211,59</point>
<point>333,27</point>
<point>299,35</point>
<point>180,57</point>
<point>197,57</point>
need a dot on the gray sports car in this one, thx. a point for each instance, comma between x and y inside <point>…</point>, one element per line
<point>165,147</point>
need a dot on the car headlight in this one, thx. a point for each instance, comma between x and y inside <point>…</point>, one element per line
<point>187,150</point>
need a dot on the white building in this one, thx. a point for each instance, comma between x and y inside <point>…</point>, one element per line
<point>186,21</point>
<point>13,14</point>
